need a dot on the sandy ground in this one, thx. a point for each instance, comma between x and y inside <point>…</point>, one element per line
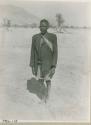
<point>69,99</point>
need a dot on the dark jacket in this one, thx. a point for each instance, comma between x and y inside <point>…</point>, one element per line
<point>43,55</point>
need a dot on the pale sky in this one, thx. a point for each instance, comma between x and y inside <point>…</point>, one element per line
<point>77,13</point>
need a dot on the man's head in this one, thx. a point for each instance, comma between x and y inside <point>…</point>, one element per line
<point>44,25</point>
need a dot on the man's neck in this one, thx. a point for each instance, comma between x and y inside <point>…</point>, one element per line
<point>44,34</point>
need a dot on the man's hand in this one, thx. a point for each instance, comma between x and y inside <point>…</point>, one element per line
<point>33,71</point>
<point>52,71</point>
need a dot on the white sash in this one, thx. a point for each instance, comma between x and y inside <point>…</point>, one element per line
<point>48,43</point>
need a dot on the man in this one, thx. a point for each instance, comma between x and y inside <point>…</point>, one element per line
<point>44,55</point>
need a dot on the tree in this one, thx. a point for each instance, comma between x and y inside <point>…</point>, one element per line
<point>60,21</point>
<point>6,22</point>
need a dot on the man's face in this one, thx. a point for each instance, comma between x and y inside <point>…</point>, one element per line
<point>43,27</point>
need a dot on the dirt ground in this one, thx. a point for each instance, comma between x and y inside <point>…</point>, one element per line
<point>69,97</point>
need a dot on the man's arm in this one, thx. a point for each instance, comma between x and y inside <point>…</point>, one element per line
<point>32,53</point>
<point>32,59</point>
<point>55,52</point>
<point>55,56</point>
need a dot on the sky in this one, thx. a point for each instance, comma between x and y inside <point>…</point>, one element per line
<point>74,13</point>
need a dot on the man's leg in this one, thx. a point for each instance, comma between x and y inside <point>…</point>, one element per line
<point>42,88</point>
<point>41,81</point>
<point>48,83</point>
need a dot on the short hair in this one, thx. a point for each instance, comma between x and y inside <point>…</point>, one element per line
<point>46,21</point>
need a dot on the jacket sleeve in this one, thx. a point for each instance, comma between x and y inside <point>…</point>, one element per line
<point>32,58</point>
<point>55,52</point>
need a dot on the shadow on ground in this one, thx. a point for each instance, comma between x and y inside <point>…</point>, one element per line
<point>33,86</point>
